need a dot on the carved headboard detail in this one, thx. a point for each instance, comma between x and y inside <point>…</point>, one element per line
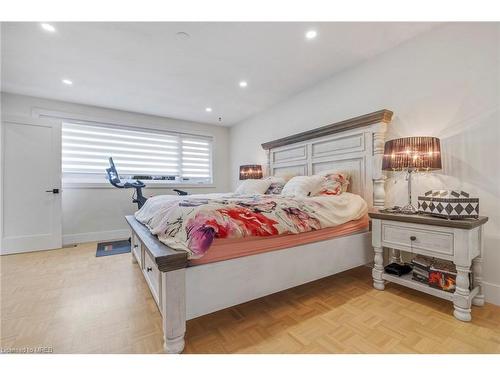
<point>355,145</point>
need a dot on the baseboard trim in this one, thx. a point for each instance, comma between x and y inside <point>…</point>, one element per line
<point>491,292</point>
<point>70,239</point>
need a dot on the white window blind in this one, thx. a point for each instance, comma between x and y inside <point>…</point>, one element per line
<point>177,158</point>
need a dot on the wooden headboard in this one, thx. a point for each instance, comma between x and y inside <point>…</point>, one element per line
<point>355,145</point>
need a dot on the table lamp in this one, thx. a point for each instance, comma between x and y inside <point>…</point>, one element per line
<point>410,155</point>
<point>253,171</point>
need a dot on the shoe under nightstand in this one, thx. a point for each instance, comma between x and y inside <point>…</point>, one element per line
<point>459,241</point>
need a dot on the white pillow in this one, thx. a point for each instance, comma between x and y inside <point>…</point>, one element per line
<point>251,186</point>
<point>303,186</point>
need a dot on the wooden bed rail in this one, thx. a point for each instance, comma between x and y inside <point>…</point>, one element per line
<point>166,258</point>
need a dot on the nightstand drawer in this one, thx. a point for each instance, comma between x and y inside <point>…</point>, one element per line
<point>431,241</point>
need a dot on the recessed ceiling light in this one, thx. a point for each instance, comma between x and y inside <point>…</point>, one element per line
<point>67,82</point>
<point>311,34</point>
<point>48,27</point>
<point>182,35</point>
<point>243,83</point>
<point>208,109</point>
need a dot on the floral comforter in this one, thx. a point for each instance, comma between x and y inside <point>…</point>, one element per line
<point>191,223</point>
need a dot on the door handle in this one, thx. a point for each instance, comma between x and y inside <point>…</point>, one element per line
<point>53,191</point>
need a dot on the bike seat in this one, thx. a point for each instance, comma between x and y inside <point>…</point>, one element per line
<point>135,184</point>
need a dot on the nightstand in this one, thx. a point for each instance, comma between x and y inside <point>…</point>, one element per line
<point>459,241</point>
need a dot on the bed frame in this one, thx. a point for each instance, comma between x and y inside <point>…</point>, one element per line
<point>184,292</point>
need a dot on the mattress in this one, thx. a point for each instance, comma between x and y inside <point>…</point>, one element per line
<point>226,248</point>
<point>194,223</point>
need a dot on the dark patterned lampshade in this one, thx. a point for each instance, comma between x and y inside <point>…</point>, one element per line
<point>250,171</point>
<point>412,153</point>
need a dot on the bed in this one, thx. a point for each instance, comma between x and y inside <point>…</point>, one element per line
<point>233,271</point>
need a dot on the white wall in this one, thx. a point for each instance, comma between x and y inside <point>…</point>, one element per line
<point>91,214</point>
<point>443,83</point>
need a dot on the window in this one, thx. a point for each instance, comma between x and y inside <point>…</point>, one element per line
<point>171,157</point>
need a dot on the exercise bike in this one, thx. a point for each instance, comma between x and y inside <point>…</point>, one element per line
<point>114,179</point>
<point>138,197</point>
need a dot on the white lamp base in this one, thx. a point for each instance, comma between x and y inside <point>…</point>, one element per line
<point>409,209</point>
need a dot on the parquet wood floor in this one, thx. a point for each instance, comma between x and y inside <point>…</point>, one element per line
<point>76,303</point>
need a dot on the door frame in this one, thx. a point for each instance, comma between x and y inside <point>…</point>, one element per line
<point>25,120</point>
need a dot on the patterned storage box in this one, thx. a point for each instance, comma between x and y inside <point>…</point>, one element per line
<point>450,204</point>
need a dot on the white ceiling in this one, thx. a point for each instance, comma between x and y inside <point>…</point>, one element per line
<point>145,67</point>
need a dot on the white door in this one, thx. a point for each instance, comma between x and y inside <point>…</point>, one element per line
<point>30,185</point>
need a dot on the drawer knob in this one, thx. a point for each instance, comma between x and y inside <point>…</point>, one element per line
<point>149,269</point>
<point>413,238</point>
<point>136,246</point>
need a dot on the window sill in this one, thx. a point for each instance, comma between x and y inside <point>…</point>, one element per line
<point>150,184</point>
